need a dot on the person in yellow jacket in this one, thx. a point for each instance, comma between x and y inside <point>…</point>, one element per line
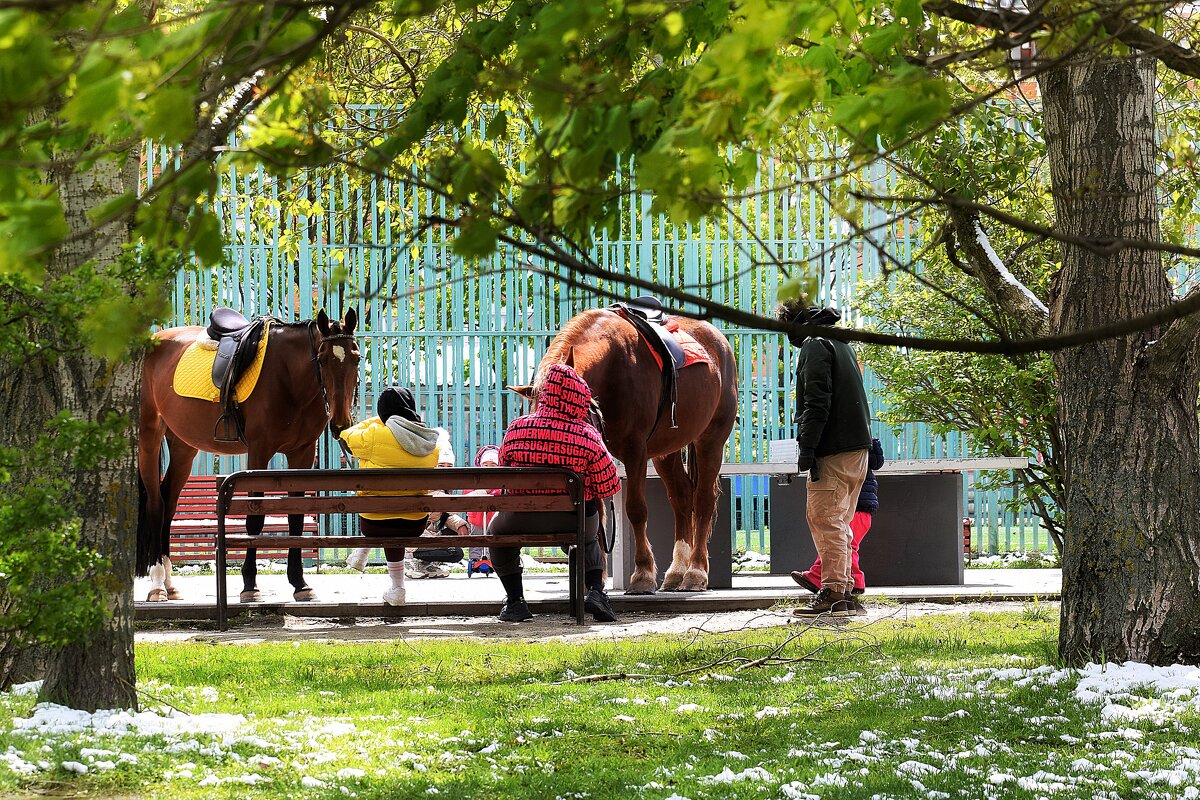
<point>398,438</point>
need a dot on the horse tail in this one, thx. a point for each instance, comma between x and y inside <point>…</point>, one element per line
<point>690,456</point>
<point>150,536</point>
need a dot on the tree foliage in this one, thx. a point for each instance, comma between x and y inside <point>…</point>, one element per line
<point>520,115</point>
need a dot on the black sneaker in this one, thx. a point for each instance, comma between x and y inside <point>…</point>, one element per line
<point>857,591</point>
<point>829,603</point>
<point>515,611</point>
<point>803,579</point>
<point>596,603</point>
<point>857,603</point>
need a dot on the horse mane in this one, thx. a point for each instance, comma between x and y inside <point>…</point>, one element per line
<point>568,336</point>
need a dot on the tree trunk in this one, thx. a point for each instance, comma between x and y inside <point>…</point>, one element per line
<point>1131,565</point>
<point>98,673</point>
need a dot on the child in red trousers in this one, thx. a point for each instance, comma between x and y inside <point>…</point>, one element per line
<point>864,511</point>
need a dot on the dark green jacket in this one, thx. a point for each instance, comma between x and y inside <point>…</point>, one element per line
<point>831,403</point>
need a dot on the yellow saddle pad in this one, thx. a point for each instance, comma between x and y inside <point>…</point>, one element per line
<point>193,374</point>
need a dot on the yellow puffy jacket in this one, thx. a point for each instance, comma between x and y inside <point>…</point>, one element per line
<point>397,444</point>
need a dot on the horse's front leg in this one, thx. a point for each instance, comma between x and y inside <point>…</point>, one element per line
<point>255,459</point>
<point>645,571</point>
<point>299,459</point>
<point>680,494</point>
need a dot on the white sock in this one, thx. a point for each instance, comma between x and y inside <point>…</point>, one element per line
<point>396,573</point>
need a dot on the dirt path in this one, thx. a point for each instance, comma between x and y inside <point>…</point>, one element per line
<point>542,627</point>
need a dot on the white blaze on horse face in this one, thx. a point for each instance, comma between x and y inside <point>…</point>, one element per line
<point>339,352</point>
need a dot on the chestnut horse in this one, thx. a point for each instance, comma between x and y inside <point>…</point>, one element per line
<point>308,379</point>
<point>626,384</point>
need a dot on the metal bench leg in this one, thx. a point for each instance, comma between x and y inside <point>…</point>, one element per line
<point>222,613</point>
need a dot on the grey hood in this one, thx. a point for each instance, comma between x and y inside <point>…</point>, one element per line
<point>414,437</point>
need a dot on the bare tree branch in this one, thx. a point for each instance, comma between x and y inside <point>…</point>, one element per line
<point>1179,341</point>
<point>1183,60</point>
<point>1002,288</point>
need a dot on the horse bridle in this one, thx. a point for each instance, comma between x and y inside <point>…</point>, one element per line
<point>316,360</point>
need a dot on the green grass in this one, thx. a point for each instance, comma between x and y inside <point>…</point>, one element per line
<point>463,719</point>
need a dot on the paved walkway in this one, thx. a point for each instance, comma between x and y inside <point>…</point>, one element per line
<point>351,596</point>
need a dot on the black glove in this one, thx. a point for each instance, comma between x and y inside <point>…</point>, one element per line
<point>807,459</point>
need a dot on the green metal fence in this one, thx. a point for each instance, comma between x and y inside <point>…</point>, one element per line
<point>459,332</point>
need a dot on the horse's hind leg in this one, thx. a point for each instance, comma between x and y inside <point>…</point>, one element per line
<point>182,457</point>
<point>299,459</point>
<point>151,546</point>
<point>680,493</point>
<point>255,459</point>
<point>706,469</point>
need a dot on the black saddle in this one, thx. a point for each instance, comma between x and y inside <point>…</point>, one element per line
<point>237,344</point>
<point>224,322</point>
<point>647,307</point>
<point>647,315</point>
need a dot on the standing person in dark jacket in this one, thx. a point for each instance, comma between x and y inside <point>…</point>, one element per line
<point>556,434</point>
<point>864,512</point>
<point>833,438</point>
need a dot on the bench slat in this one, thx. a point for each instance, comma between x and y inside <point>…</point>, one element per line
<point>462,478</point>
<point>240,541</point>
<point>411,504</point>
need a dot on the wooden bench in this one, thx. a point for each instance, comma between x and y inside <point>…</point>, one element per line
<point>324,491</point>
<point>194,527</point>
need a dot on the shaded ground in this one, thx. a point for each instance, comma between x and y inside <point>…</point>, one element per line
<point>543,627</point>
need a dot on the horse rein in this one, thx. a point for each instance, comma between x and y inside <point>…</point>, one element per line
<point>316,360</point>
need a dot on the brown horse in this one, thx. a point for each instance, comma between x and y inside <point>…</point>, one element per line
<point>626,383</point>
<point>308,379</point>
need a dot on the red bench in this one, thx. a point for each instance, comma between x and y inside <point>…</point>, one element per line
<point>194,529</point>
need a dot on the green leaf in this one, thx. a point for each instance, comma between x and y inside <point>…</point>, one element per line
<point>497,126</point>
<point>29,229</point>
<point>100,96</point>
<point>476,238</point>
<point>208,244</point>
<point>170,115</point>
<point>111,209</point>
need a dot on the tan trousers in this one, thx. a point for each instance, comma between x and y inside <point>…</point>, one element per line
<point>831,503</point>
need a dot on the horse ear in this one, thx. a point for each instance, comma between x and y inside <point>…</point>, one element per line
<point>323,322</point>
<point>525,391</point>
<point>350,322</point>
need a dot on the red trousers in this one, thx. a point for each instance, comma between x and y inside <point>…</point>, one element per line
<point>859,525</point>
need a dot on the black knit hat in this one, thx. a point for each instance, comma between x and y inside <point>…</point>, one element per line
<point>397,401</point>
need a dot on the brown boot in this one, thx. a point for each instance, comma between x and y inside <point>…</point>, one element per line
<point>829,603</point>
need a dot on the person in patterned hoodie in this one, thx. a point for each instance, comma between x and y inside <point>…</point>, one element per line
<point>556,434</point>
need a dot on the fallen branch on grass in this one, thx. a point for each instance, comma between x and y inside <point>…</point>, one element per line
<point>860,635</point>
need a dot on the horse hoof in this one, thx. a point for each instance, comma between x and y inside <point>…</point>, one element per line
<point>672,580</point>
<point>641,586</point>
<point>304,595</point>
<point>174,594</point>
<point>694,581</point>
<point>250,596</point>
<point>157,596</point>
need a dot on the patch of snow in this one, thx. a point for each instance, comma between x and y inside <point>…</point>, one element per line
<point>49,718</point>
<point>795,791</point>
<point>727,775</point>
